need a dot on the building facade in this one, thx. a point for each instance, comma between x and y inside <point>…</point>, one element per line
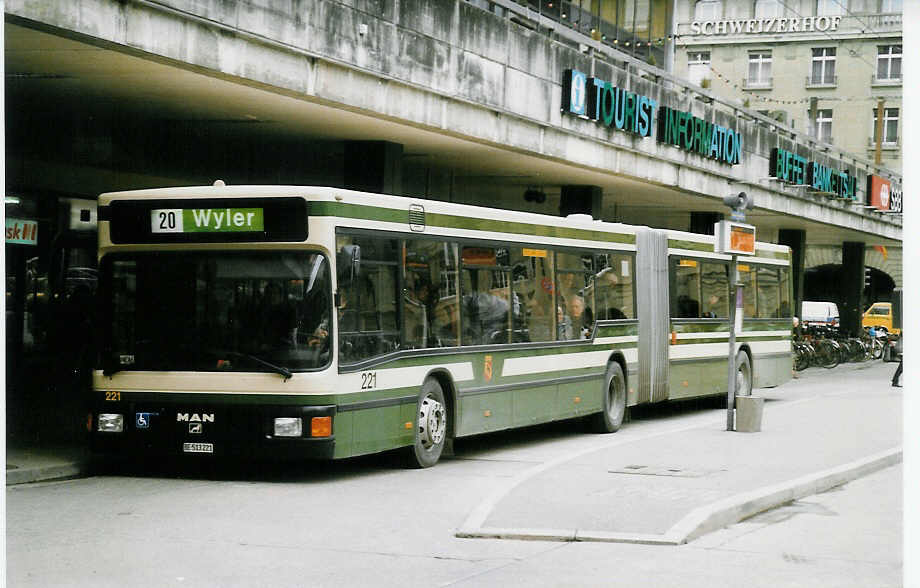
<point>827,67</point>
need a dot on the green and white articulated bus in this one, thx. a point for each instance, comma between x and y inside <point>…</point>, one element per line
<point>313,322</point>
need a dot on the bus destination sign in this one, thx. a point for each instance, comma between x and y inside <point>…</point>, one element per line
<point>206,220</point>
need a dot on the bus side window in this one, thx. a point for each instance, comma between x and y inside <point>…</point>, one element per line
<point>532,284</point>
<point>485,290</point>
<point>575,295</point>
<point>686,274</point>
<point>613,291</point>
<point>785,287</point>
<point>430,294</point>
<point>768,292</point>
<point>748,280</point>
<point>714,289</point>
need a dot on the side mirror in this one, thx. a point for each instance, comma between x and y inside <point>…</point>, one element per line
<point>348,264</point>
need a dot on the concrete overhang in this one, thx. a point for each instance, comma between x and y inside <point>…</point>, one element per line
<point>55,68</point>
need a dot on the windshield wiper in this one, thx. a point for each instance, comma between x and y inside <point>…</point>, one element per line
<point>275,368</point>
<point>114,368</point>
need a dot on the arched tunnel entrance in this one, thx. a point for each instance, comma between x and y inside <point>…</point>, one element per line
<point>824,283</point>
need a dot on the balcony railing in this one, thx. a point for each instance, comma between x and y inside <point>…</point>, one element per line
<point>632,40</point>
<point>821,82</point>
<point>887,80</point>
<point>882,23</point>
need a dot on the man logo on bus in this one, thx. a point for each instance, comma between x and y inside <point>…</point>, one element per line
<point>487,369</point>
<point>205,417</point>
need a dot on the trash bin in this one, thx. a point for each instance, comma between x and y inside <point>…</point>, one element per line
<point>748,414</point>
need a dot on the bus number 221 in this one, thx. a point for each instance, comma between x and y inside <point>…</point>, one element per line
<point>368,380</point>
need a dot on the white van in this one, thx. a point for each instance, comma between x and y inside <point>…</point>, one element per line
<point>820,314</point>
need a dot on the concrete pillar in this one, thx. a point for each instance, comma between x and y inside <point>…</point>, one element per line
<point>704,222</point>
<point>373,166</point>
<point>854,263</point>
<point>581,200</point>
<point>795,240</point>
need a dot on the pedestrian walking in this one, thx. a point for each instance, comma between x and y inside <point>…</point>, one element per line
<point>896,378</point>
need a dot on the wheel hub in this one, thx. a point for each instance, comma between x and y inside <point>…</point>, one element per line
<point>432,422</point>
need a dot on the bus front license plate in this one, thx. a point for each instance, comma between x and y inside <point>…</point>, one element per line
<point>198,447</point>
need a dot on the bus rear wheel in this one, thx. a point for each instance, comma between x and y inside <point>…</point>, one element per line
<point>430,428</point>
<point>611,418</point>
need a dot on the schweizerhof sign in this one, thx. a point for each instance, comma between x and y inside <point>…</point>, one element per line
<point>806,24</point>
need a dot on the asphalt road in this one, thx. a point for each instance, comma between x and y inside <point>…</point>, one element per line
<point>368,522</point>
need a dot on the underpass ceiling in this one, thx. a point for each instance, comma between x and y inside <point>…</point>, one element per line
<point>47,71</point>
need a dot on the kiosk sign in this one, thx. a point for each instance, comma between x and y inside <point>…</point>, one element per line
<point>22,232</point>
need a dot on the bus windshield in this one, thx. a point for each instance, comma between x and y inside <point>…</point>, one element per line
<point>231,311</point>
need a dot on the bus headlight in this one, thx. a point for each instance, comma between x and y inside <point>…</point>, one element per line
<point>110,423</point>
<point>288,427</point>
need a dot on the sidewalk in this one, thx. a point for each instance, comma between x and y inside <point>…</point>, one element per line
<point>668,488</point>
<point>39,464</point>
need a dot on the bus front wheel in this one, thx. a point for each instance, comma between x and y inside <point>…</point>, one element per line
<point>431,426</point>
<point>611,418</point>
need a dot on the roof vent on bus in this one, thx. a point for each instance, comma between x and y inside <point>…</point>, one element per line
<point>417,217</point>
<point>219,184</point>
<point>580,217</point>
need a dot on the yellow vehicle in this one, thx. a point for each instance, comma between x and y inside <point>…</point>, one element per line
<point>879,315</point>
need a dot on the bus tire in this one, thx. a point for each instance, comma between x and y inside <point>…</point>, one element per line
<point>611,418</point>
<point>430,426</point>
<point>743,381</point>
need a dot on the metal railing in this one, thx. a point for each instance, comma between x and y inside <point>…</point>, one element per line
<point>758,83</point>
<point>887,81</point>
<point>637,43</point>
<point>822,81</point>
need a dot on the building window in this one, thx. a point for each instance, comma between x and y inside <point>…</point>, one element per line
<point>831,8</point>
<point>889,126</point>
<point>889,63</point>
<point>768,9</point>
<point>824,118</point>
<point>760,66</point>
<point>892,6</point>
<point>698,67</point>
<point>823,66</point>
<point>708,10</point>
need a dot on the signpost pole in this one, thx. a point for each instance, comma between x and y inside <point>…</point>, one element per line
<point>734,238</point>
<point>732,314</point>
